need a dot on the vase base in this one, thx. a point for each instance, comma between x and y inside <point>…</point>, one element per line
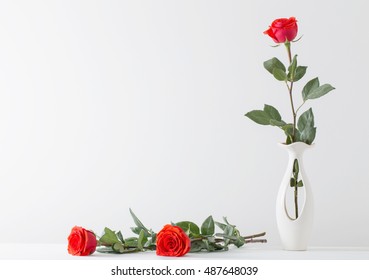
<point>295,249</point>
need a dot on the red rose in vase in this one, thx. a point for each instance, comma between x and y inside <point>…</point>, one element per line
<point>172,241</point>
<point>283,29</point>
<point>81,242</point>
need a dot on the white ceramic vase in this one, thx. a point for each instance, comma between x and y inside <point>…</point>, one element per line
<point>295,233</point>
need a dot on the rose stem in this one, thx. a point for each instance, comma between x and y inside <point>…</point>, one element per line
<point>250,237</point>
<point>255,235</point>
<point>252,240</point>
<point>246,241</point>
<point>288,46</point>
<point>290,88</point>
<point>256,241</point>
<point>296,204</point>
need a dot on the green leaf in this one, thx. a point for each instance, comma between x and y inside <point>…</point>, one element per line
<point>274,63</point>
<point>197,246</point>
<point>226,220</point>
<point>109,237</point>
<point>320,91</point>
<point>221,225</point>
<point>272,112</point>
<point>153,237</point>
<point>292,182</point>
<point>300,72</point>
<point>288,129</point>
<point>268,116</point>
<point>306,127</point>
<point>292,69</point>
<point>118,247</point>
<point>279,74</point>
<point>239,242</point>
<point>139,225</point>
<point>208,246</point>
<point>297,135</point>
<point>120,236</point>
<point>105,250</point>
<point>141,240</point>
<point>137,221</point>
<point>259,117</point>
<point>131,242</point>
<point>277,123</point>
<point>228,231</point>
<point>309,87</point>
<point>308,135</point>
<point>207,227</point>
<point>296,168</point>
<point>306,119</point>
<point>189,227</point>
<point>211,247</point>
<point>136,230</point>
<point>149,243</point>
<point>300,184</point>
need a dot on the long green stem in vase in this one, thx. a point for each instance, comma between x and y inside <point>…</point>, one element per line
<point>294,180</point>
<point>296,183</point>
<point>290,90</point>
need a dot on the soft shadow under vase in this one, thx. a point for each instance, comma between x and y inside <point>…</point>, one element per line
<point>295,233</point>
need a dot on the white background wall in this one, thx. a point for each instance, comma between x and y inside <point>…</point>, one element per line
<point>106,105</point>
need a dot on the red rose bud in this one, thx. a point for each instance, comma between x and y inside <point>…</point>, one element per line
<point>283,29</point>
<point>81,242</point>
<point>172,241</point>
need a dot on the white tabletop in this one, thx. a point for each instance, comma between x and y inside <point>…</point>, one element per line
<point>249,252</point>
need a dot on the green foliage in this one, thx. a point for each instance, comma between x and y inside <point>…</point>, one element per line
<point>306,127</point>
<point>279,74</point>
<point>295,73</point>
<point>268,116</point>
<point>295,182</point>
<point>111,242</point>
<point>207,227</point>
<point>109,237</point>
<point>292,69</point>
<point>190,228</point>
<point>305,130</point>
<point>276,68</point>
<point>300,72</point>
<point>139,224</point>
<point>272,113</point>
<point>274,63</point>
<point>313,90</point>
<point>208,240</point>
<point>203,238</point>
<point>141,240</point>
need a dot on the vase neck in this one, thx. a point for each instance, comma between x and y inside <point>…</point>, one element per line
<point>297,149</point>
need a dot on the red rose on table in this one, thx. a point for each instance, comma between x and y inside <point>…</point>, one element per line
<point>283,29</point>
<point>81,242</point>
<point>172,241</point>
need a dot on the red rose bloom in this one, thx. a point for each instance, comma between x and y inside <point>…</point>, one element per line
<point>283,29</point>
<point>81,242</point>
<point>172,241</point>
